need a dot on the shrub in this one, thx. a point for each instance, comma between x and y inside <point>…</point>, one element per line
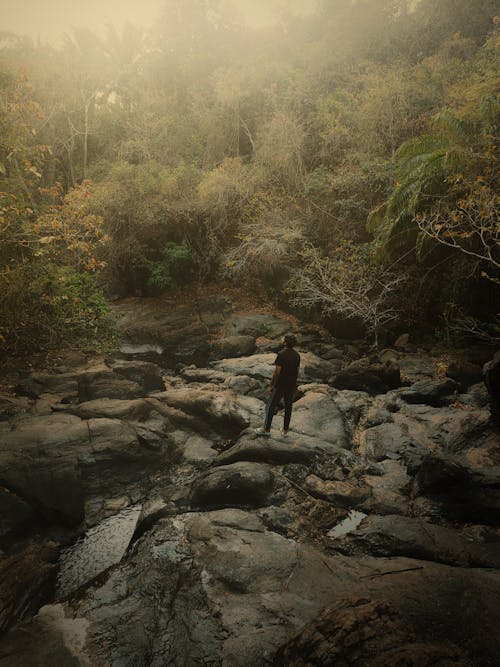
<point>174,269</point>
<point>43,305</point>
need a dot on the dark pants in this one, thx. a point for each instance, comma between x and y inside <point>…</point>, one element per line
<point>275,397</point>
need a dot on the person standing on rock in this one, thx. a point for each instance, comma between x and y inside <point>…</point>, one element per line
<point>283,384</point>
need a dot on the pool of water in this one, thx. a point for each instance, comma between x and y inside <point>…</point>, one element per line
<point>351,522</point>
<point>101,547</point>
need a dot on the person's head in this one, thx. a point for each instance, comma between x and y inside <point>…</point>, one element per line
<point>289,340</point>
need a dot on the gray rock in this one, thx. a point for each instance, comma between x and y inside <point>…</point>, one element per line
<point>467,493</point>
<point>257,325</point>
<point>491,372</point>
<point>203,375</point>
<point>234,346</point>
<point>360,632</point>
<point>372,376</point>
<point>219,409</point>
<point>405,536</point>
<point>248,484</point>
<point>294,448</point>
<point>64,385</point>
<point>317,415</point>
<point>137,409</point>
<point>392,441</point>
<point>198,449</point>
<point>13,511</point>
<point>330,353</point>
<point>261,366</point>
<point>340,494</point>
<point>144,373</point>
<point>242,384</point>
<point>465,373</point>
<point>183,331</point>
<point>107,384</point>
<point>452,429</point>
<point>277,519</point>
<point>415,367</point>
<point>54,462</point>
<point>320,370</point>
<point>11,406</point>
<point>431,392</point>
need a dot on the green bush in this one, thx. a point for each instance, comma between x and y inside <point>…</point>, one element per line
<point>43,306</point>
<point>173,270</point>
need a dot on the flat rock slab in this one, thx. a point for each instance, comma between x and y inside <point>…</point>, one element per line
<point>101,547</point>
<point>114,408</point>
<point>241,483</point>
<point>277,449</point>
<point>414,538</point>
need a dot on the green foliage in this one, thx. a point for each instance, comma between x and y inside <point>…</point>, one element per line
<point>208,161</point>
<point>174,270</point>
<point>43,306</point>
<point>317,183</point>
<point>432,170</point>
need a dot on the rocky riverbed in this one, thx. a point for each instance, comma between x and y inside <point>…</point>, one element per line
<point>144,523</point>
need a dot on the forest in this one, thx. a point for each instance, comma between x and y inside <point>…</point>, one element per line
<point>342,163</point>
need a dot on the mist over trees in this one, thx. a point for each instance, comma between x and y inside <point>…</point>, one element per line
<point>349,154</point>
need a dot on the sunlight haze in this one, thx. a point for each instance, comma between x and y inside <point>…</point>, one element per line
<point>50,19</point>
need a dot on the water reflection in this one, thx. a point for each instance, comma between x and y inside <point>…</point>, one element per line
<point>351,522</point>
<point>101,547</point>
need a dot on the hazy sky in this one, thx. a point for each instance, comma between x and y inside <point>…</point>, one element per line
<point>49,19</point>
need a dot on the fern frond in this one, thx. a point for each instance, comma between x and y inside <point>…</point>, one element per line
<point>376,217</point>
<point>449,126</point>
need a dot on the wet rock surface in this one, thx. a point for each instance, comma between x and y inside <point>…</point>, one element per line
<point>143,521</point>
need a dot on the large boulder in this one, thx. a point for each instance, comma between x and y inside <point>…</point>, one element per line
<point>240,483</point>
<point>465,373</point>
<point>465,492</point>
<point>255,325</point>
<point>233,346</point>
<point>370,375</point>
<point>146,374</point>
<point>318,416</point>
<point>361,632</point>
<point>295,448</point>
<point>119,379</point>
<point>492,381</point>
<point>218,588</point>
<point>183,330</point>
<point>436,393</point>
<point>26,580</point>
<point>54,463</point>
<point>406,536</point>
<point>13,511</point>
<point>392,441</point>
<point>214,408</point>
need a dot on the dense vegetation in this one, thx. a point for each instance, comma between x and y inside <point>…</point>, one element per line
<point>344,162</point>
